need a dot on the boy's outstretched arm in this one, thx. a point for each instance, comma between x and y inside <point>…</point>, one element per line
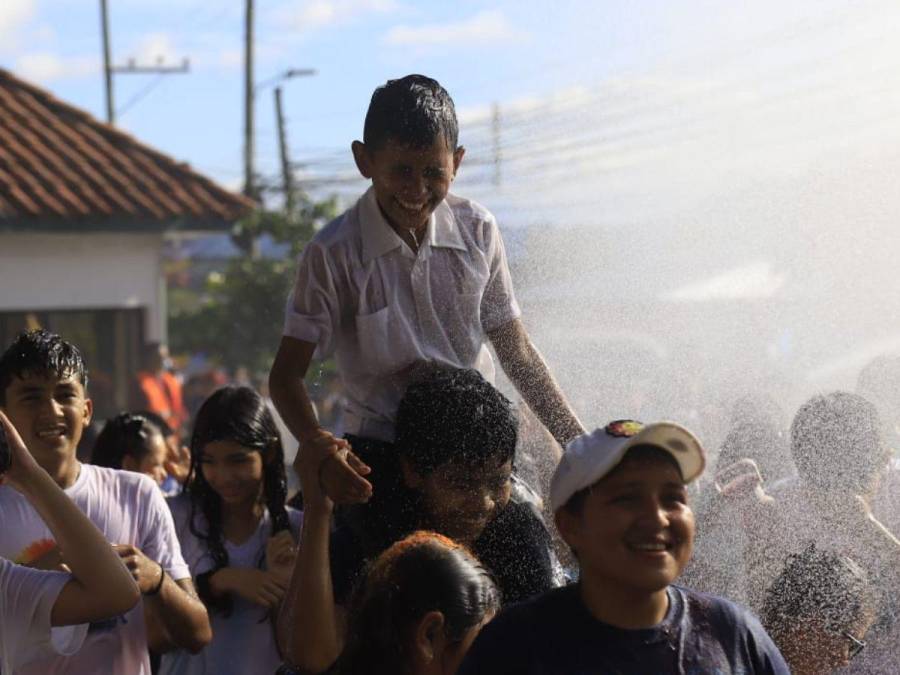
<point>101,587</point>
<point>524,365</point>
<point>341,474</point>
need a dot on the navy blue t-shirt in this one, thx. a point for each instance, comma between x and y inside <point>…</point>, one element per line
<point>555,634</point>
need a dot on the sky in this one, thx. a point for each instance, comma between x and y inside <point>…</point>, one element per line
<point>715,151</point>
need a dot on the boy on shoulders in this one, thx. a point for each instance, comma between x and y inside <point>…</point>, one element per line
<point>410,276</point>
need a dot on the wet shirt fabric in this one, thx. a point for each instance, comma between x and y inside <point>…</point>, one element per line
<point>128,508</point>
<point>555,633</point>
<point>385,312</point>
<point>515,547</point>
<point>27,597</point>
<point>244,640</point>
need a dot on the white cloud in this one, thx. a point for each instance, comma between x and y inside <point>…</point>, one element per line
<point>306,15</point>
<point>14,15</point>
<point>157,48</point>
<point>44,67</point>
<point>487,27</point>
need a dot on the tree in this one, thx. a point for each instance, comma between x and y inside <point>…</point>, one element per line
<point>236,318</point>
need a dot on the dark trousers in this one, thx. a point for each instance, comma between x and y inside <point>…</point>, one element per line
<point>383,519</point>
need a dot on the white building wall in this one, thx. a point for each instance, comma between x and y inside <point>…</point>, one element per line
<point>84,271</point>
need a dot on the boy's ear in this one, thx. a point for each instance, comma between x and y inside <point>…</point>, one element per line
<point>88,411</point>
<point>411,478</point>
<point>362,159</point>
<point>458,158</point>
<point>568,526</point>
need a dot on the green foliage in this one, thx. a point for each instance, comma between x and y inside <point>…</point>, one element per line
<point>236,317</point>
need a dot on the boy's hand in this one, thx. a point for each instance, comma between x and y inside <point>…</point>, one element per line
<point>23,466</point>
<point>740,481</point>
<point>328,469</point>
<point>144,571</point>
<point>178,463</point>
<point>341,476</point>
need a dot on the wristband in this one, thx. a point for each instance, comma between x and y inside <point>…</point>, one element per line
<point>162,578</point>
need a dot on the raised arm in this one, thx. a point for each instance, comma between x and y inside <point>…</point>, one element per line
<point>101,587</point>
<point>309,623</point>
<point>527,370</point>
<point>342,482</point>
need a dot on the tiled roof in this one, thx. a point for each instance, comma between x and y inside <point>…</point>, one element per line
<point>62,169</point>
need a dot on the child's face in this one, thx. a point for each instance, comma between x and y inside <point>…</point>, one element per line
<point>234,472</point>
<point>409,182</point>
<point>153,462</point>
<point>50,414</point>
<point>460,501</point>
<point>636,529</point>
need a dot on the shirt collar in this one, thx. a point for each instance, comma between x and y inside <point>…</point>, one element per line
<point>378,237</point>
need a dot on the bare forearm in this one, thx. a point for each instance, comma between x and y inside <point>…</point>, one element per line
<point>181,614</point>
<point>92,560</point>
<point>292,400</point>
<point>288,390</point>
<point>527,370</point>
<point>308,622</point>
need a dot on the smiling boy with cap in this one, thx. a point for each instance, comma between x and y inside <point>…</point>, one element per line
<point>620,500</point>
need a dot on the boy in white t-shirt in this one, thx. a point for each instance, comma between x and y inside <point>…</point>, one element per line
<point>46,612</point>
<point>42,392</point>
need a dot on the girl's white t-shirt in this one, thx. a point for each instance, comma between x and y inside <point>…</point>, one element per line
<point>27,597</point>
<point>244,641</point>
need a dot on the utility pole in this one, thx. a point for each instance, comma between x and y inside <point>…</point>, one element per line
<point>107,68</point>
<point>286,175</point>
<point>495,135</point>
<point>130,68</point>
<point>249,188</point>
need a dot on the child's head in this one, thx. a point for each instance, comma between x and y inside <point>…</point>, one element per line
<point>818,610</point>
<point>43,384</point>
<point>132,442</point>
<point>837,444</point>
<point>456,438</point>
<point>621,503</point>
<point>236,460</point>
<point>414,112</point>
<point>420,607</point>
<point>410,148</point>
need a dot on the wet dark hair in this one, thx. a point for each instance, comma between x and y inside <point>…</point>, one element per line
<point>837,442</point>
<point>422,573</point>
<point>39,352</point>
<point>237,414</point>
<point>455,416</point>
<point>125,434</point>
<point>158,421</point>
<point>414,111</point>
<point>645,452</point>
<point>818,585</point>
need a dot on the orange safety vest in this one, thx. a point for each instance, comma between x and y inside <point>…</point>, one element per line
<point>163,394</point>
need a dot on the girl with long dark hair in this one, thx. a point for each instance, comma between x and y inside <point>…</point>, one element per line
<point>236,533</point>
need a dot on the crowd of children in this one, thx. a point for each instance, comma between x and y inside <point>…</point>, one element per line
<point>414,546</point>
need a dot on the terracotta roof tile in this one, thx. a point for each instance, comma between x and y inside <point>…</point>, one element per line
<point>60,165</point>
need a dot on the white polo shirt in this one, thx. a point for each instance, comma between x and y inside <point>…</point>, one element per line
<point>384,312</point>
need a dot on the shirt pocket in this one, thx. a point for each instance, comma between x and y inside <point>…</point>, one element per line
<point>386,341</point>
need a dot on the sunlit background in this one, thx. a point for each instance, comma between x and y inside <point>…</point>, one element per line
<point>699,198</point>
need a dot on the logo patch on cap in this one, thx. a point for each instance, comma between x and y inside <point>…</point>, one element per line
<point>624,428</point>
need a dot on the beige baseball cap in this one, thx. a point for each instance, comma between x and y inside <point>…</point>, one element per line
<point>590,457</point>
